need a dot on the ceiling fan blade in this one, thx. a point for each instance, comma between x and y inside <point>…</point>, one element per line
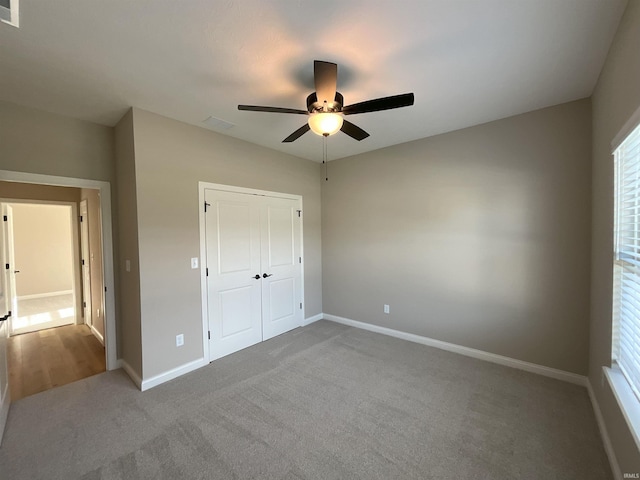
<point>297,134</point>
<point>386,103</point>
<point>325,75</point>
<point>257,108</point>
<point>353,130</point>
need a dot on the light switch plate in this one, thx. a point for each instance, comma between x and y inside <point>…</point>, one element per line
<point>194,262</point>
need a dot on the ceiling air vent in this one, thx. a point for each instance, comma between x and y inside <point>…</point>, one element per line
<point>216,123</point>
<point>9,12</point>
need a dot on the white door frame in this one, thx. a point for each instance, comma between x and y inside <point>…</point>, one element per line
<point>75,267</point>
<point>202,186</point>
<point>111,350</point>
<point>10,277</point>
<point>5,394</point>
<point>85,247</point>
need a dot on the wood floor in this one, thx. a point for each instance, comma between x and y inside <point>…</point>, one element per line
<point>49,358</point>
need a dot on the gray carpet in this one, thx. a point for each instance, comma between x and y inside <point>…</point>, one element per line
<point>321,402</point>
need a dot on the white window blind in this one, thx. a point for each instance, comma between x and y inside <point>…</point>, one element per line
<point>626,278</point>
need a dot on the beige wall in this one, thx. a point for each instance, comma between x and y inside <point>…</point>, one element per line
<point>478,237</point>
<point>43,249</point>
<point>616,97</point>
<point>130,333</point>
<point>35,141</point>
<point>170,159</point>
<point>29,191</point>
<point>95,256</point>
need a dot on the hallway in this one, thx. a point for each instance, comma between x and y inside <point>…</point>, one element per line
<point>35,314</point>
<point>49,358</point>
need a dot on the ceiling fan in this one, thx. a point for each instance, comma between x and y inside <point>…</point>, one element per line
<point>325,106</point>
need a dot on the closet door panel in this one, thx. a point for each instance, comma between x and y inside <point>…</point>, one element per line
<point>281,257</point>
<point>233,261</point>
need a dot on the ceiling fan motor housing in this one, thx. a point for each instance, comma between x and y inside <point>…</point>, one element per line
<point>314,106</point>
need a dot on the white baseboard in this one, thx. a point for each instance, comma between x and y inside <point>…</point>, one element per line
<point>44,295</point>
<point>606,440</point>
<point>310,320</point>
<point>173,373</point>
<point>135,378</point>
<point>466,351</point>
<point>97,334</point>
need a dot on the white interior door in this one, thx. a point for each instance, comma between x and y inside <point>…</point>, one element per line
<point>10,277</point>
<point>281,266</point>
<point>233,262</point>
<point>5,298</point>
<point>85,264</point>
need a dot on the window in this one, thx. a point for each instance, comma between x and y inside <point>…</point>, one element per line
<point>626,270</point>
<point>9,12</point>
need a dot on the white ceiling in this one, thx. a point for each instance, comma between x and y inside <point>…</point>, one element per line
<point>467,61</point>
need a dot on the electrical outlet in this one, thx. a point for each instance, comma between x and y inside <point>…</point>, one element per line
<point>179,340</point>
<point>386,308</point>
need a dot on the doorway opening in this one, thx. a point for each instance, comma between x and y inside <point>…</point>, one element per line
<point>53,250</point>
<point>64,334</point>
<point>42,241</point>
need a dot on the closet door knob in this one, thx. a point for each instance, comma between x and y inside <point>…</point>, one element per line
<point>257,277</point>
<point>264,275</point>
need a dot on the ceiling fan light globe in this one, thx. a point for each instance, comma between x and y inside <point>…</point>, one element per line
<point>325,123</point>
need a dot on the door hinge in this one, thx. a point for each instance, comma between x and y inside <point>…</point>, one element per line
<point>299,259</point>
<point>105,289</point>
<point>207,270</point>
<point>299,213</point>
<point>83,262</point>
<point>205,206</point>
<point>80,218</point>
<point>84,304</point>
<point>6,266</point>
<point>209,332</point>
<point>300,305</point>
<point>4,217</point>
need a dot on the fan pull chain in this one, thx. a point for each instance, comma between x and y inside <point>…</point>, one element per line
<point>325,161</point>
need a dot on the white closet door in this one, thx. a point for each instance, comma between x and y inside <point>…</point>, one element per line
<point>233,261</point>
<point>281,257</point>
